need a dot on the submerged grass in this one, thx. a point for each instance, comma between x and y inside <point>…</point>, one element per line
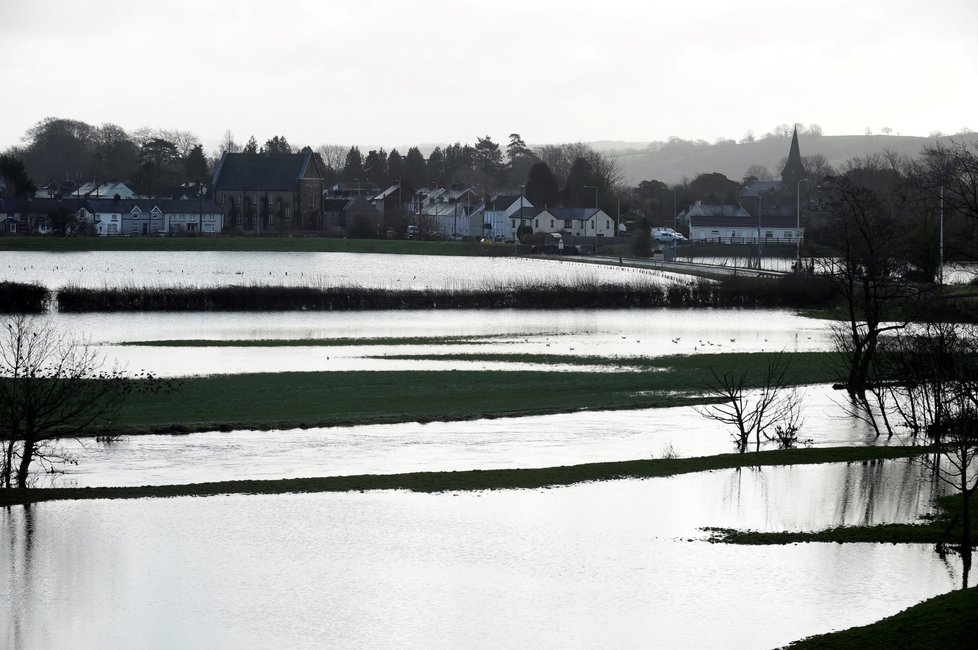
<point>495,479</point>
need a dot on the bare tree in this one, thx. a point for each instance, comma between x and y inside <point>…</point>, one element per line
<point>933,386</point>
<point>766,410</point>
<point>228,144</point>
<point>333,155</point>
<point>862,208</point>
<point>50,387</point>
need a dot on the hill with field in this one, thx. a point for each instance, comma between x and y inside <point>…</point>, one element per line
<point>677,159</point>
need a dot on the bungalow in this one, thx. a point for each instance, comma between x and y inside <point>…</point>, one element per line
<point>739,229</point>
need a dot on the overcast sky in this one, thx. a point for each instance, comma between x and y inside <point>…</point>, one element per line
<point>392,73</point>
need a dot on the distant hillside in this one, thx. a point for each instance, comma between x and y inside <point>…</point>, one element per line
<point>671,162</point>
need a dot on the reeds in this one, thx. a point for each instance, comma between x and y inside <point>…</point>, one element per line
<point>23,298</point>
<point>729,292</point>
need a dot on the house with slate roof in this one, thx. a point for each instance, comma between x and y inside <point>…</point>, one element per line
<point>449,213</point>
<point>581,222</point>
<point>351,215</point>
<point>270,193</point>
<point>742,228</point>
<point>112,217</point>
<point>38,215</point>
<point>501,212</point>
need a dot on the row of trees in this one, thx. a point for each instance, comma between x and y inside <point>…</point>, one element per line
<point>71,150</point>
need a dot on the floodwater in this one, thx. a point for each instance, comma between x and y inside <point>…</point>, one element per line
<point>534,441</point>
<point>202,268</point>
<point>606,333</point>
<point>595,565</point>
<point>620,564</point>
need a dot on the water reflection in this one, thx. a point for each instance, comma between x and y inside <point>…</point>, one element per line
<point>209,268</point>
<point>533,441</point>
<point>607,333</point>
<point>597,565</point>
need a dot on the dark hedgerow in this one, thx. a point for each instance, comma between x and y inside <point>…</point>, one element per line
<point>730,292</point>
<point>23,298</point>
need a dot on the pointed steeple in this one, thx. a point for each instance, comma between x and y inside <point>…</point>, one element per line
<point>793,170</point>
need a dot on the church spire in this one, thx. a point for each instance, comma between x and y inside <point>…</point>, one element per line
<point>794,169</point>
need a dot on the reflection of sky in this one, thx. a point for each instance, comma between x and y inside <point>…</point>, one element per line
<point>534,441</point>
<point>608,333</point>
<point>205,268</point>
<point>596,565</point>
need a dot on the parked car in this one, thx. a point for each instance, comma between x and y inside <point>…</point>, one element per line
<point>411,232</point>
<point>667,235</point>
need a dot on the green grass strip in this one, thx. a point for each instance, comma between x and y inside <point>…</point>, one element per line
<point>941,623</point>
<point>495,479</point>
<point>931,530</point>
<point>319,399</point>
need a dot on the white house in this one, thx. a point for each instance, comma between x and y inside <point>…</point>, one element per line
<point>738,229</point>
<point>105,190</point>
<point>582,222</point>
<point>111,217</point>
<point>450,214</point>
<point>502,216</point>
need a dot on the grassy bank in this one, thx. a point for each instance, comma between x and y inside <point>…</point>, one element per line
<point>729,292</point>
<point>496,479</point>
<point>930,530</point>
<point>941,623</point>
<point>309,399</point>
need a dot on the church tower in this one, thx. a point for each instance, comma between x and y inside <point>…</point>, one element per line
<point>793,170</point>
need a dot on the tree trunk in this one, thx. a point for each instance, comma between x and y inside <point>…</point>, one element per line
<point>25,463</point>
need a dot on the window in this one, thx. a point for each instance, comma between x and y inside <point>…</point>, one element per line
<point>551,223</point>
<point>608,225</point>
<point>769,234</point>
<point>536,223</point>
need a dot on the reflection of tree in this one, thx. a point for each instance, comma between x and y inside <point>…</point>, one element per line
<point>764,409</point>
<point>931,379</point>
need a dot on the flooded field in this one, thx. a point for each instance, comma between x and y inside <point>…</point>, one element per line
<point>619,564</point>
<point>202,268</point>
<point>597,565</point>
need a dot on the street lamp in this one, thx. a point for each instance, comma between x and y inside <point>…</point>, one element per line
<point>595,188</point>
<point>798,225</point>
<point>940,262</point>
<point>516,237</point>
<point>760,199</point>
